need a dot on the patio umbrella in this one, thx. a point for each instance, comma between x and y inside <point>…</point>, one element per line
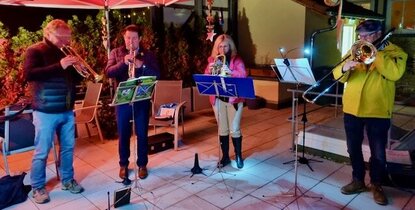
<point>106,5</point>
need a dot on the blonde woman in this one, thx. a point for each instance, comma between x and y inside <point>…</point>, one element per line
<point>228,111</point>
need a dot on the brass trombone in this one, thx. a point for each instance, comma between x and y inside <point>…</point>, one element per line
<point>81,66</point>
<point>361,51</point>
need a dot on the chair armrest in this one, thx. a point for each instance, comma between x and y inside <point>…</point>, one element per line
<point>88,107</point>
<point>178,109</point>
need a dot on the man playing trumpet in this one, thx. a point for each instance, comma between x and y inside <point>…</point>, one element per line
<point>126,62</point>
<point>368,101</point>
<point>52,79</point>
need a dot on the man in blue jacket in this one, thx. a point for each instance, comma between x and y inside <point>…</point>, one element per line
<point>132,61</point>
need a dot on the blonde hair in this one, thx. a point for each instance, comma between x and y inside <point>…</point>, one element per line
<point>54,25</point>
<point>219,40</point>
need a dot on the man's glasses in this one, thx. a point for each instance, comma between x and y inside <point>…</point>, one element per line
<point>365,34</point>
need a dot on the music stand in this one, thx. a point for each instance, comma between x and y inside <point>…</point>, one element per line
<point>128,92</point>
<point>295,71</point>
<point>224,87</point>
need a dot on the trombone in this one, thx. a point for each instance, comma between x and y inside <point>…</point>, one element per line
<point>81,66</point>
<point>361,51</point>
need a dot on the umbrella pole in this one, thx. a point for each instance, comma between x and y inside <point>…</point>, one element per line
<point>107,17</point>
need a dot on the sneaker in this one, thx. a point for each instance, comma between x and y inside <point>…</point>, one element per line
<point>41,195</point>
<point>73,187</point>
<point>378,194</point>
<point>353,187</point>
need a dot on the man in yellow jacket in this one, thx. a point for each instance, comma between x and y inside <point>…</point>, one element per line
<point>368,99</point>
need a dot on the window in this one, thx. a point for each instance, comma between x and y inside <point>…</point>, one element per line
<point>348,38</point>
<point>402,15</point>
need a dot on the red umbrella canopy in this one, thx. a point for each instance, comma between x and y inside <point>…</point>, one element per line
<point>89,4</point>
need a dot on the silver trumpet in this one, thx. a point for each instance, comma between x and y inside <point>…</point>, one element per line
<point>131,64</point>
<point>219,65</point>
<point>81,66</point>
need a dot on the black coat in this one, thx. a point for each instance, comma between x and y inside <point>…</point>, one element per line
<point>53,88</point>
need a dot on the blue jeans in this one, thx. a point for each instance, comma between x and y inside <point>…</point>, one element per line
<point>141,118</point>
<point>377,134</point>
<point>46,126</point>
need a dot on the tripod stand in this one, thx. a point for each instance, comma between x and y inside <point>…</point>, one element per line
<point>303,159</point>
<point>297,160</point>
<point>219,86</point>
<point>129,92</point>
<point>296,71</point>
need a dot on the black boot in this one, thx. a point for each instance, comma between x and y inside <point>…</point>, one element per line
<point>237,144</point>
<point>224,145</point>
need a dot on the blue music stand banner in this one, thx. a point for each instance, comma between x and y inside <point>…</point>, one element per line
<point>225,86</point>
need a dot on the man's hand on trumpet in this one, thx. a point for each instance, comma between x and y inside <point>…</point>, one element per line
<point>130,58</point>
<point>349,65</point>
<point>68,61</point>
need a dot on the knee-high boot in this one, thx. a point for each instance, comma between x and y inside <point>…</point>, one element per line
<point>237,144</point>
<point>224,145</point>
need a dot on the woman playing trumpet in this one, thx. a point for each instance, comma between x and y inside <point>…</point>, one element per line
<point>228,111</point>
<point>368,100</point>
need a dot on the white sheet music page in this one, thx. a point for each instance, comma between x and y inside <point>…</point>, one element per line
<point>299,71</point>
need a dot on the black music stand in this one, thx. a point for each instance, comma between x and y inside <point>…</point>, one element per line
<point>224,87</point>
<point>296,71</point>
<point>128,92</point>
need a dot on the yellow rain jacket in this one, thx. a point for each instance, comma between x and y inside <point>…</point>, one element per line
<point>369,90</point>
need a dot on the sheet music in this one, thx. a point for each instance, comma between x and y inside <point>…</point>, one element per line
<point>136,89</point>
<point>298,72</point>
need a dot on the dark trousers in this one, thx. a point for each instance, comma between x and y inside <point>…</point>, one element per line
<point>141,118</point>
<point>377,134</point>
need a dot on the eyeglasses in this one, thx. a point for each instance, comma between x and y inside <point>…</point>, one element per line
<point>363,35</point>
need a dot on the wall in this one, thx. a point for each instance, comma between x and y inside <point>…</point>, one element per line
<point>325,52</point>
<point>266,25</point>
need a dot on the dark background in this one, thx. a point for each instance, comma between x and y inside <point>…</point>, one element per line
<point>31,18</point>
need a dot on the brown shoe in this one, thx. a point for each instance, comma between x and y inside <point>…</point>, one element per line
<point>378,194</point>
<point>142,172</point>
<point>353,187</point>
<point>123,172</point>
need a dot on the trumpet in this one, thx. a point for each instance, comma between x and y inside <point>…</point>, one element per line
<point>361,51</point>
<point>81,66</point>
<point>219,66</point>
<point>131,64</point>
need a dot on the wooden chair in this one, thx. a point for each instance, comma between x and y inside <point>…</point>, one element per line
<point>87,113</point>
<point>167,92</point>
